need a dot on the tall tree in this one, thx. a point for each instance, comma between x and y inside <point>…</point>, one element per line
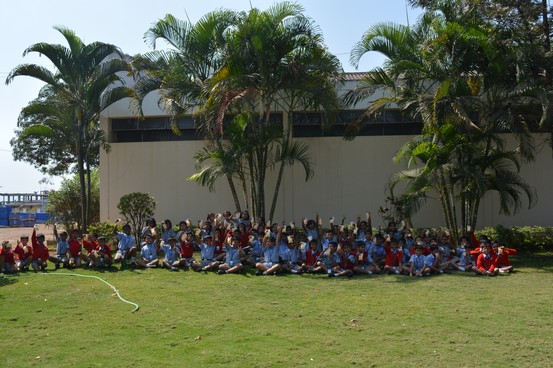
<point>84,81</point>
<point>243,66</point>
<point>453,73</point>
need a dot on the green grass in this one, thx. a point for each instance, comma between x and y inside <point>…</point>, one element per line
<point>456,320</point>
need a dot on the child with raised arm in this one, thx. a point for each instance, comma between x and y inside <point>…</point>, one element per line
<point>187,246</point>
<point>364,264</point>
<point>61,250</point>
<point>331,260</point>
<point>310,228</point>
<point>126,247</point>
<point>270,264</point>
<point>207,254</point>
<point>311,258</point>
<point>233,257</point>
<point>502,253</point>
<point>40,252</point>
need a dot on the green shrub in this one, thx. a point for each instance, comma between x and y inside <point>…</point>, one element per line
<point>104,229</point>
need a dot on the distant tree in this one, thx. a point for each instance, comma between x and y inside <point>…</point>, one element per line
<point>83,83</point>
<point>64,204</point>
<point>136,208</point>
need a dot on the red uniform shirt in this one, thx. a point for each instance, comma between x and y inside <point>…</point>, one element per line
<point>21,255</point>
<point>486,263</point>
<point>503,258</point>
<point>8,256</point>
<point>75,247</point>
<point>187,249</point>
<point>90,246</point>
<point>105,249</point>
<point>40,251</point>
<point>393,257</point>
<point>311,257</point>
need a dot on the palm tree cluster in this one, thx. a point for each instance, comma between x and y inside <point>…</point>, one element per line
<point>454,72</point>
<point>244,73</point>
<point>469,70</point>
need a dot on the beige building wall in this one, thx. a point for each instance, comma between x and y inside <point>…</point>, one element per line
<point>350,179</point>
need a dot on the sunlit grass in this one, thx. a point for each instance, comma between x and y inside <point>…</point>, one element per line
<point>188,320</point>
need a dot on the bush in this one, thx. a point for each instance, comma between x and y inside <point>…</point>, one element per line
<point>136,208</point>
<point>531,238</point>
<point>104,229</point>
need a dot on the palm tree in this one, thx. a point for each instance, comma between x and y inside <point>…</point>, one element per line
<point>242,66</point>
<point>84,81</point>
<point>276,62</point>
<point>453,73</point>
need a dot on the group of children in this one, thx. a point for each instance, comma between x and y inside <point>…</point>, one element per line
<point>227,243</point>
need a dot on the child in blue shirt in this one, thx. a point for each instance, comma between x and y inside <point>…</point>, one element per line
<point>270,264</point>
<point>171,260</point>
<point>417,264</point>
<point>207,250</point>
<point>61,250</point>
<point>148,253</point>
<point>233,258</point>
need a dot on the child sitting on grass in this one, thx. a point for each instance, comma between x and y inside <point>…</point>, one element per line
<point>311,258</point>
<point>61,250</point>
<point>233,256</point>
<point>24,252</point>
<point>101,256</point>
<point>417,264</point>
<point>394,257</point>
<point>7,258</point>
<point>148,253</point>
<point>40,252</point>
<point>503,262</point>
<point>171,260</point>
<point>271,249</point>
<point>486,263</point>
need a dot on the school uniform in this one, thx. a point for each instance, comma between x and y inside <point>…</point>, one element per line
<point>171,254</point>
<point>207,254</point>
<point>418,262</point>
<point>61,249</point>
<point>126,243</point>
<point>232,257</point>
<point>393,256</point>
<point>486,262</point>
<point>149,251</point>
<point>270,256</point>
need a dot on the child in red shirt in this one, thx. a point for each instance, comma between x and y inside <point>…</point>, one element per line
<point>75,250</point>
<point>486,263</point>
<point>24,252</point>
<point>503,262</point>
<point>40,252</point>
<point>394,257</point>
<point>7,262</point>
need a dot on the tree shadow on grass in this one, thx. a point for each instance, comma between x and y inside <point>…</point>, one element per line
<point>542,261</point>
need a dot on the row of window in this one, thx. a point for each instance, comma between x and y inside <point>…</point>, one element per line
<point>305,124</point>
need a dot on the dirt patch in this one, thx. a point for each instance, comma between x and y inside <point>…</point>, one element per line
<point>14,233</point>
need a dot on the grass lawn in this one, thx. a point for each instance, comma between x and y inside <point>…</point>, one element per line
<point>188,319</point>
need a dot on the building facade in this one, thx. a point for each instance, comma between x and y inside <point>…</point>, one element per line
<point>350,177</point>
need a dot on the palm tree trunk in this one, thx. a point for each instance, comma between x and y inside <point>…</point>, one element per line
<point>234,193</point>
<point>81,169</point>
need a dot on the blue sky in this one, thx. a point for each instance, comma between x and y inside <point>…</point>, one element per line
<point>123,23</point>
